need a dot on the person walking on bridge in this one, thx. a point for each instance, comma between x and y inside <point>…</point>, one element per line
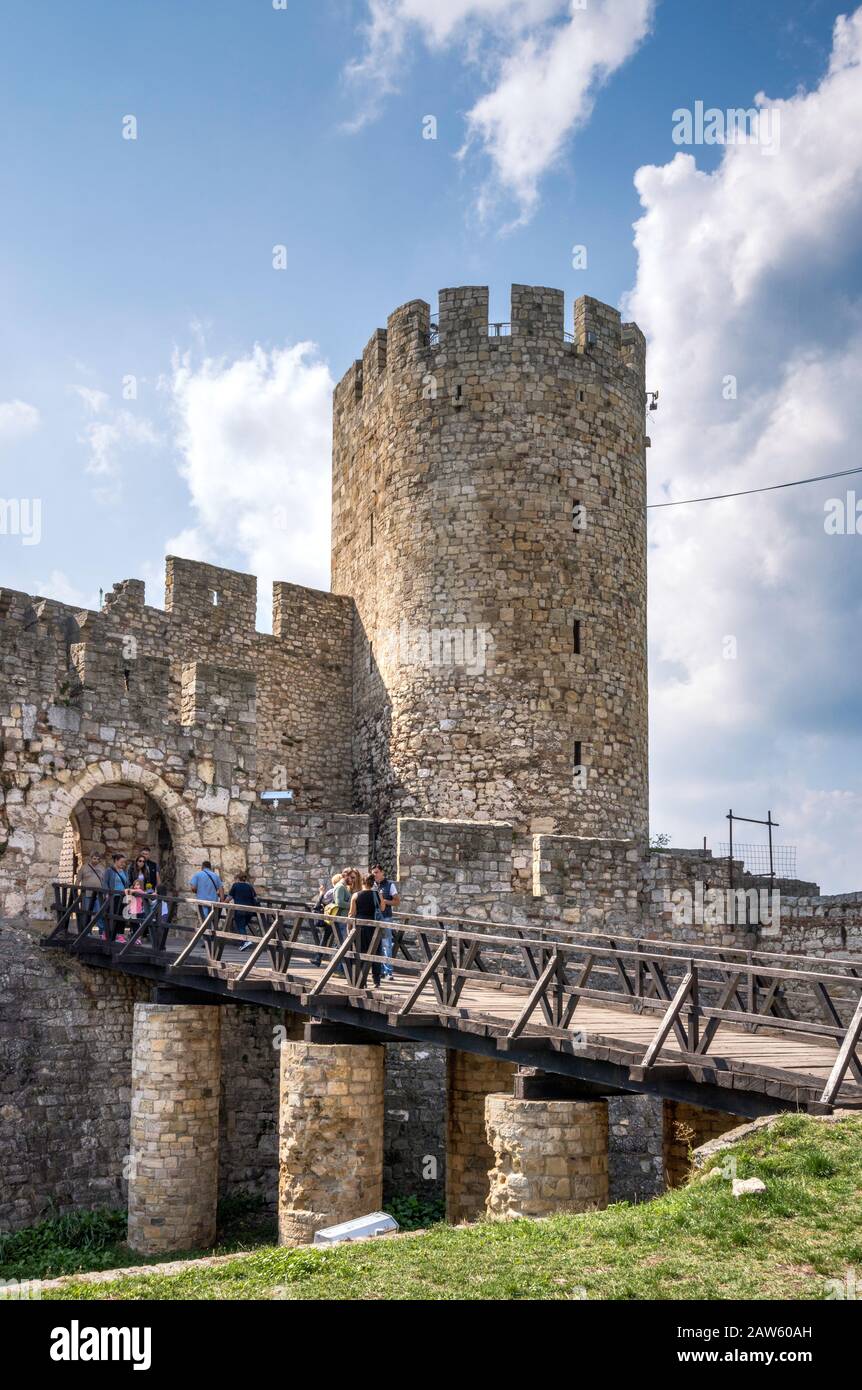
<point>389,898</point>
<point>116,884</point>
<point>208,888</point>
<point>242,893</point>
<point>364,905</point>
<point>151,868</point>
<point>90,881</point>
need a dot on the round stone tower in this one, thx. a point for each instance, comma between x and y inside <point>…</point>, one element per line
<point>489,521</point>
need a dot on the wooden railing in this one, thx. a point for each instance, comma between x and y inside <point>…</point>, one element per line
<point>691,988</point>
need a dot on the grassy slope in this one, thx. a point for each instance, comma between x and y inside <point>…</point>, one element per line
<point>696,1243</point>
<point>96,1240</point>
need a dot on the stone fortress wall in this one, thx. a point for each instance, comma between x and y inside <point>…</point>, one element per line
<point>190,705</point>
<point>458,460</point>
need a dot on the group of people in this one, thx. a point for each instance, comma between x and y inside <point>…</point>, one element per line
<point>369,897</point>
<point>122,891</point>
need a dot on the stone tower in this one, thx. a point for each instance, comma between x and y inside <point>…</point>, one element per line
<point>489,521</point>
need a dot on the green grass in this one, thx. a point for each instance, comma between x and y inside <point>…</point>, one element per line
<point>93,1240</point>
<point>696,1243</point>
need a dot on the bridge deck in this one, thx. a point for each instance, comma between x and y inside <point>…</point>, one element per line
<point>738,1030</point>
<point>786,1066</point>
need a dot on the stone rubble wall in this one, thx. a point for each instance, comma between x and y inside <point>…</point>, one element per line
<point>415,1160</point>
<point>291,852</point>
<point>189,705</point>
<point>65,1085</point>
<point>635,1148</point>
<point>470,1158</point>
<point>549,1156</point>
<point>686,1127</point>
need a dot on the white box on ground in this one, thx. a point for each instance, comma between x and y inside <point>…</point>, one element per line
<point>377,1224</point>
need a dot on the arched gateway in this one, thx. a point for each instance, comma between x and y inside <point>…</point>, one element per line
<point>115,806</point>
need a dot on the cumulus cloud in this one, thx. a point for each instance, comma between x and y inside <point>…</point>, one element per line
<point>756,347</point>
<point>254,436</point>
<point>547,60</point>
<point>60,587</point>
<point>17,419</point>
<point>110,438</point>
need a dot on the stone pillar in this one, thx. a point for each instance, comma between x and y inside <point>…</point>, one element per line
<point>686,1127</point>
<point>469,1156</point>
<point>549,1156</point>
<point>173,1178</point>
<point>330,1136</point>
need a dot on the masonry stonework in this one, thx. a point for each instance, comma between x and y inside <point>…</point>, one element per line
<point>489,524</point>
<point>330,1136</point>
<point>686,1127</point>
<point>469,1156</point>
<point>549,1156</point>
<point>173,1156</point>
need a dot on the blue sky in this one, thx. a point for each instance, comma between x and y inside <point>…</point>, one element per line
<point>152,259</point>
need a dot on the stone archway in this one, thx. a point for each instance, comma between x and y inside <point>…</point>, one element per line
<point>66,802</point>
<point>117,818</point>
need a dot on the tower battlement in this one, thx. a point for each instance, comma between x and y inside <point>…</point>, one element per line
<point>462,336</point>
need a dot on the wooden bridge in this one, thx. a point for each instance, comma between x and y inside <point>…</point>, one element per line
<point>745,1032</point>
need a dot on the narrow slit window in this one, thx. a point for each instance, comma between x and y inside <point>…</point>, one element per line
<point>579,515</point>
<point>214,597</point>
<point>578,754</point>
<point>576,636</point>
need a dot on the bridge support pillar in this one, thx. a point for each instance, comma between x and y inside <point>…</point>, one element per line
<point>469,1156</point>
<point>330,1136</point>
<point>549,1155</point>
<point>686,1127</point>
<point>173,1177</point>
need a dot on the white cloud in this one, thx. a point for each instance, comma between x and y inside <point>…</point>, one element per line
<point>254,436</point>
<point>548,59</point>
<point>546,90</point>
<point>17,419</point>
<point>744,273</point>
<point>110,439</point>
<point>60,587</point>
<point>96,401</point>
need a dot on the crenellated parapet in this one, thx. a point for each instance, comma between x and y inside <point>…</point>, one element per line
<point>462,337</point>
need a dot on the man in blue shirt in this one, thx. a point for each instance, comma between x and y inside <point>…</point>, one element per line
<point>116,883</point>
<point>208,888</point>
<point>389,898</point>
